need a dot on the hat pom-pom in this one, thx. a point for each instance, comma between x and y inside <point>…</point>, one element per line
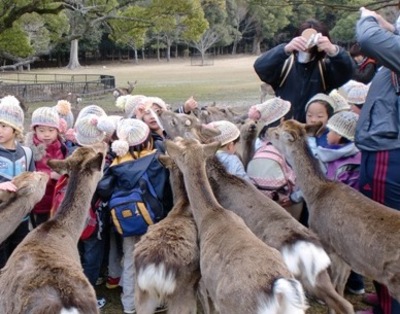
<point>121,102</point>
<point>63,107</point>
<point>120,148</point>
<point>70,135</point>
<point>105,124</point>
<point>9,99</point>
<point>63,126</point>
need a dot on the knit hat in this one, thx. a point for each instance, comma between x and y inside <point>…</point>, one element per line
<point>87,132</point>
<point>321,97</point>
<point>357,94</point>
<point>63,108</point>
<point>340,103</point>
<point>229,131</point>
<point>271,110</point>
<point>11,113</point>
<point>91,109</point>
<point>130,132</point>
<point>46,116</point>
<point>156,101</point>
<point>129,103</point>
<point>108,124</point>
<point>344,123</point>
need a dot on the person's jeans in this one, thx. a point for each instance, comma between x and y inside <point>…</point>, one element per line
<point>9,244</point>
<point>91,252</point>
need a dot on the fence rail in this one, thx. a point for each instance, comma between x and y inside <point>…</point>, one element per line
<point>34,87</point>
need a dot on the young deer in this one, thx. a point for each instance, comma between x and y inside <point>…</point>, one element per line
<point>167,257</point>
<point>241,273</point>
<point>14,206</point>
<point>119,91</point>
<point>357,232</point>
<point>44,273</point>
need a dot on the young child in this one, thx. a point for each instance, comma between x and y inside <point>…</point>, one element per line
<point>229,137</point>
<point>134,154</point>
<point>14,159</point>
<point>46,143</point>
<point>318,110</point>
<point>342,162</point>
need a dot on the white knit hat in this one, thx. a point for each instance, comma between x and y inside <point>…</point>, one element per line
<point>86,127</point>
<point>357,94</point>
<point>63,108</point>
<point>322,97</point>
<point>344,123</point>
<point>130,132</point>
<point>129,103</point>
<point>272,110</point>
<point>339,102</point>
<point>11,113</point>
<point>156,101</point>
<point>46,116</point>
<point>91,109</point>
<point>229,131</point>
<point>108,124</point>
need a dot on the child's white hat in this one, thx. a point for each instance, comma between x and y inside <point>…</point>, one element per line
<point>344,123</point>
<point>229,131</point>
<point>46,116</point>
<point>129,103</point>
<point>357,94</point>
<point>272,110</point>
<point>321,97</point>
<point>339,102</point>
<point>11,113</point>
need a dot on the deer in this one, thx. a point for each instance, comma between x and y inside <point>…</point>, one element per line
<point>120,91</point>
<point>300,247</point>
<point>167,265</point>
<point>240,272</point>
<point>343,217</point>
<point>207,114</point>
<point>265,91</point>
<point>14,206</point>
<point>248,135</point>
<point>44,273</point>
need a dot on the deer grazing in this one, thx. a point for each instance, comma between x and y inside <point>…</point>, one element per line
<point>357,232</point>
<point>44,273</point>
<point>167,257</point>
<point>241,273</point>
<point>14,206</point>
<point>120,91</point>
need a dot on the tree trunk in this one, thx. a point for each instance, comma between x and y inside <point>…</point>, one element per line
<point>136,56</point>
<point>158,50</point>
<point>73,55</point>
<point>256,46</point>
<point>168,52</point>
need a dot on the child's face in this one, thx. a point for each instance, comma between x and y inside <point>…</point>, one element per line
<point>46,134</point>
<point>151,121</point>
<point>7,136</point>
<point>333,138</point>
<point>316,113</point>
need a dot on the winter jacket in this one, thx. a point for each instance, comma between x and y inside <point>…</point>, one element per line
<point>378,126</point>
<point>41,154</point>
<point>365,71</point>
<point>232,164</point>
<point>13,163</point>
<point>304,79</point>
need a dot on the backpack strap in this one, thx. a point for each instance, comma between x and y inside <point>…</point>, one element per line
<point>287,66</point>
<point>28,156</point>
<point>322,70</point>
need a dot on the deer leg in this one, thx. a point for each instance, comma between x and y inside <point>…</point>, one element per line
<point>144,303</point>
<point>183,301</point>
<point>324,290</point>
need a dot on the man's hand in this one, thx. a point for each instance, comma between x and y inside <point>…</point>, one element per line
<point>296,44</point>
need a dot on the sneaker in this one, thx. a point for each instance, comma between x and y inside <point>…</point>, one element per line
<point>101,302</point>
<point>160,309</point>
<point>100,281</point>
<point>112,283</point>
<point>356,291</point>
<point>369,311</point>
<point>370,299</point>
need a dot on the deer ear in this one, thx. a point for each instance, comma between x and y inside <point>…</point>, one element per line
<point>211,149</point>
<point>59,166</point>
<point>209,131</point>
<point>166,161</point>
<point>314,129</point>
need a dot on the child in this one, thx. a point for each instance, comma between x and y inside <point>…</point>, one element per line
<point>134,154</point>
<point>356,97</point>
<point>319,109</point>
<point>46,143</point>
<point>129,103</point>
<point>342,160</point>
<point>229,137</point>
<point>14,159</point>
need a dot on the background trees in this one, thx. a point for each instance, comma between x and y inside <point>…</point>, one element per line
<point>71,30</point>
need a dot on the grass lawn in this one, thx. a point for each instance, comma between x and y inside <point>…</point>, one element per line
<point>229,81</point>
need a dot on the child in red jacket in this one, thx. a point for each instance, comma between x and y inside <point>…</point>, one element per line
<point>46,143</point>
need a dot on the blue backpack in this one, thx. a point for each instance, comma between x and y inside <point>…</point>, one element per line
<point>133,210</point>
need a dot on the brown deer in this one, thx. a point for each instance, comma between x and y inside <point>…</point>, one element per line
<point>248,135</point>
<point>241,273</point>
<point>265,90</point>
<point>269,221</point>
<point>44,273</point>
<point>167,257</point>
<point>213,112</point>
<point>357,232</point>
<point>119,91</point>
<point>14,206</point>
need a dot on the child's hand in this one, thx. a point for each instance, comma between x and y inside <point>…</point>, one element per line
<point>8,186</point>
<point>54,175</point>
<point>254,114</point>
<point>190,104</point>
